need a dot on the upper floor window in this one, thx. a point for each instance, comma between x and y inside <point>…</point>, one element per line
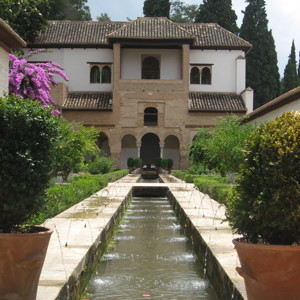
<point>150,67</point>
<point>195,75</point>
<point>150,116</point>
<point>100,74</point>
<point>95,74</point>
<point>200,75</point>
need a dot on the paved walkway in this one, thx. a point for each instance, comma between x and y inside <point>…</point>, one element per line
<point>78,229</point>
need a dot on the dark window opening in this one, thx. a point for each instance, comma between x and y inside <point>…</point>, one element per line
<point>150,116</point>
<point>150,68</point>
<point>95,75</point>
<point>106,75</point>
<point>206,76</point>
<point>195,76</point>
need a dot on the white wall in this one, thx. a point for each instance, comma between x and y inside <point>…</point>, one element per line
<point>170,63</point>
<point>227,70</point>
<point>228,67</point>
<point>74,61</point>
<point>270,116</point>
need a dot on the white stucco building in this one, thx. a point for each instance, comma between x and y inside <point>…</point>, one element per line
<point>147,85</point>
<point>9,39</point>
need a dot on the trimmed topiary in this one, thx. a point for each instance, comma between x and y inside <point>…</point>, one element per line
<point>138,162</point>
<point>130,162</point>
<point>266,204</point>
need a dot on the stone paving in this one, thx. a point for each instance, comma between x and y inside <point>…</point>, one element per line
<point>78,229</point>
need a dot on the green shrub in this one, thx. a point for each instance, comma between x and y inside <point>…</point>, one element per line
<point>179,174</point>
<point>130,162</point>
<point>164,163</point>
<point>158,162</point>
<point>60,197</point>
<point>216,187</point>
<point>138,162</point>
<point>170,163</point>
<point>100,165</point>
<point>28,134</point>
<point>266,203</point>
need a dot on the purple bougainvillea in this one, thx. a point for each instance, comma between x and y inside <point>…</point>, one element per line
<point>33,80</point>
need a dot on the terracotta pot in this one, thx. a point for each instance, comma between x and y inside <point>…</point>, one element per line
<point>21,260</point>
<point>270,272</point>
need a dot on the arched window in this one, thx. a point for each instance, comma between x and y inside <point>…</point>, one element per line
<point>150,68</point>
<point>106,75</point>
<point>150,116</point>
<point>195,76</point>
<point>206,76</point>
<point>95,75</point>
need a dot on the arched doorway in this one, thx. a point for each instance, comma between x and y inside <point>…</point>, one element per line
<point>171,150</point>
<point>150,150</point>
<point>102,142</point>
<point>128,149</point>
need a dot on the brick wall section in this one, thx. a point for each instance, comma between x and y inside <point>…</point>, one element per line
<point>59,93</point>
<point>3,71</point>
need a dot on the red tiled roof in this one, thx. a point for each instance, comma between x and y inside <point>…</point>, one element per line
<point>98,34</point>
<point>88,101</point>
<point>216,102</point>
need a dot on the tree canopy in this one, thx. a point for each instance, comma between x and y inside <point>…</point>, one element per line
<point>183,13</point>
<point>290,79</point>
<point>69,10</point>
<point>27,18</point>
<point>218,11</point>
<point>261,70</point>
<point>157,8</point>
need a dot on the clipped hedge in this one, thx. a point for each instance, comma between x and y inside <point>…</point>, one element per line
<point>179,174</point>
<point>61,197</point>
<point>216,187</point>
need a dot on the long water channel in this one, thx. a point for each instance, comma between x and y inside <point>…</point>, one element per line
<point>150,258</point>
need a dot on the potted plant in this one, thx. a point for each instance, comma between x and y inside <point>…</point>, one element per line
<point>28,133</point>
<point>265,209</point>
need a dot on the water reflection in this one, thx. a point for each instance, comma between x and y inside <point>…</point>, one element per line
<point>154,259</point>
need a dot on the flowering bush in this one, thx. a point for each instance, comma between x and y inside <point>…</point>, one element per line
<point>33,80</point>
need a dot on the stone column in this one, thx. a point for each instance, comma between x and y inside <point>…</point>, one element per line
<point>116,66</point>
<point>185,66</point>
<point>161,145</point>
<point>138,144</point>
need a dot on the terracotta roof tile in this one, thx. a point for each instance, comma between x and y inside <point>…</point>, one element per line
<point>212,34</point>
<point>96,34</point>
<point>216,102</point>
<point>151,28</point>
<point>76,33</point>
<point>88,101</point>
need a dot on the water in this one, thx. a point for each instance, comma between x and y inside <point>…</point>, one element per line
<point>150,258</point>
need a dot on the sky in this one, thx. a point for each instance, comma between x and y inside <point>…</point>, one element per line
<point>283,16</point>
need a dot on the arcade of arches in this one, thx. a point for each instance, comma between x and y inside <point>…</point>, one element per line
<point>149,148</point>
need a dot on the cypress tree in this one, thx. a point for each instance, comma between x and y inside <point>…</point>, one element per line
<point>157,8</point>
<point>218,11</point>
<point>262,72</point>
<point>290,77</point>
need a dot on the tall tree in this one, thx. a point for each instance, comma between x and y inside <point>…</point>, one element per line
<point>183,13</point>
<point>69,10</point>
<point>157,8</point>
<point>218,11</point>
<point>290,78</point>
<point>262,70</point>
<point>27,18</point>
<point>103,17</point>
